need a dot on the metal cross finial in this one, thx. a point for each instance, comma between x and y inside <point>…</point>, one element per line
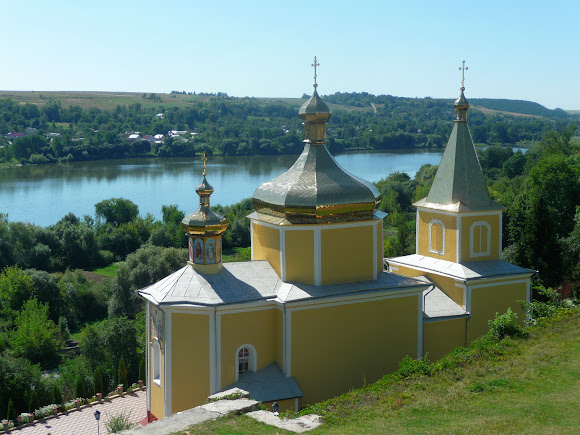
<point>315,64</point>
<point>462,69</point>
<point>204,160</point>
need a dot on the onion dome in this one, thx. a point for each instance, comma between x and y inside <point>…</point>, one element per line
<point>316,189</point>
<point>204,220</point>
<point>461,105</point>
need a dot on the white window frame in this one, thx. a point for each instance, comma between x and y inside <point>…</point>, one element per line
<point>252,361</point>
<point>156,369</point>
<point>437,222</point>
<point>471,229</point>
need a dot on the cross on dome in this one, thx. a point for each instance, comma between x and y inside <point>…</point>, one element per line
<point>462,69</point>
<point>204,159</point>
<point>315,64</point>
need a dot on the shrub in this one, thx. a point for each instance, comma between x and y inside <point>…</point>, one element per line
<point>123,373</point>
<point>506,325</point>
<point>119,422</point>
<point>410,366</point>
<point>98,381</point>
<point>10,411</point>
<point>79,387</point>
<point>142,369</point>
<point>57,395</point>
<point>34,403</point>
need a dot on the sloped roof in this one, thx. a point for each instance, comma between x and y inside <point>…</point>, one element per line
<point>459,180</point>
<point>256,280</point>
<point>314,184</point>
<point>464,271</point>
<point>268,384</point>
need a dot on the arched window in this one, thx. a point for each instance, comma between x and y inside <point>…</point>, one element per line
<point>437,237</point>
<point>156,362</point>
<point>480,239</point>
<point>245,360</point>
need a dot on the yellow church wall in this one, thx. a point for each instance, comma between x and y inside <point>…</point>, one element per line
<point>347,254</point>
<point>189,360</point>
<point>446,284</point>
<point>441,337</point>
<point>466,223</point>
<point>156,391</point>
<point>486,301</point>
<point>330,356</point>
<point>380,247</point>
<point>266,245</point>
<point>450,223</point>
<point>300,256</point>
<point>279,319</point>
<point>257,328</point>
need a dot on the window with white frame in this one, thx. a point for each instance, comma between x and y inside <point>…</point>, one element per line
<point>156,362</point>
<point>437,237</point>
<point>245,360</point>
<point>480,239</point>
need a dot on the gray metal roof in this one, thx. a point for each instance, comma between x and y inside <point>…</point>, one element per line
<point>315,182</point>
<point>268,384</point>
<point>465,271</point>
<point>256,280</point>
<point>459,180</point>
<point>438,305</point>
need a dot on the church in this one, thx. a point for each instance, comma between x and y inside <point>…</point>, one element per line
<point>318,310</point>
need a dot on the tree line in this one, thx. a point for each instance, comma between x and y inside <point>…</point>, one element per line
<point>247,126</point>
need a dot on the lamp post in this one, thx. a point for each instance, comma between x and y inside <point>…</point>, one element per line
<point>98,417</point>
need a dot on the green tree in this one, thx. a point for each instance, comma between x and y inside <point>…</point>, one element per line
<point>36,337</point>
<point>57,395</point>
<point>34,403</point>
<point>98,380</point>
<point>79,387</point>
<point>122,373</point>
<point>117,211</point>
<point>16,286</point>
<point>10,411</point>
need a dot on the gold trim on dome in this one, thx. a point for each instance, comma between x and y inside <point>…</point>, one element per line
<point>208,230</point>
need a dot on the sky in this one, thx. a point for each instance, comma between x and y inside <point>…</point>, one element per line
<point>516,49</point>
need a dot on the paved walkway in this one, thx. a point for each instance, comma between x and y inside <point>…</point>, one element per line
<point>83,421</point>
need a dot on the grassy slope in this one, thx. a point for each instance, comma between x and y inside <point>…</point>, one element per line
<point>524,386</point>
<point>109,100</point>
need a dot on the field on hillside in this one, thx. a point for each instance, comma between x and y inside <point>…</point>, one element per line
<point>522,386</point>
<point>110,100</point>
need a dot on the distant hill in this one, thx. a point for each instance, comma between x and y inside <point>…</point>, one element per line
<point>519,106</point>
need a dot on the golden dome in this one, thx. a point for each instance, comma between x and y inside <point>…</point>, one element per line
<point>204,220</point>
<point>316,189</point>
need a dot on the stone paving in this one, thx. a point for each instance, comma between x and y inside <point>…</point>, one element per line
<point>83,421</point>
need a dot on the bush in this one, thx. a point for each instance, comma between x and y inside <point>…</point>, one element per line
<point>119,422</point>
<point>98,381</point>
<point>57,395</point>
<point>34,403</point>
<point>506,325</point>
<point>10,411</point>
<point>123,373</point>
<point>79,387</point>
<point>411,366</point>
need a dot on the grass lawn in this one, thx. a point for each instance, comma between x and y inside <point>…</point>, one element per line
<point>108,271</point>
<point>236,254</point>
<point>527,386</point>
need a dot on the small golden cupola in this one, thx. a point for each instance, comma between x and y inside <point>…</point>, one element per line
<point>317,223</point>
<point>204,230</point>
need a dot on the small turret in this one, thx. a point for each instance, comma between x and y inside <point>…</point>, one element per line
<point>204,229</point>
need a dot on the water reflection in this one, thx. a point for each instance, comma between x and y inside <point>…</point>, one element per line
<point>43,194</point>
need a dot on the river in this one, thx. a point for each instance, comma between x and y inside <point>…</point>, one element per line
<point>43,194</point>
